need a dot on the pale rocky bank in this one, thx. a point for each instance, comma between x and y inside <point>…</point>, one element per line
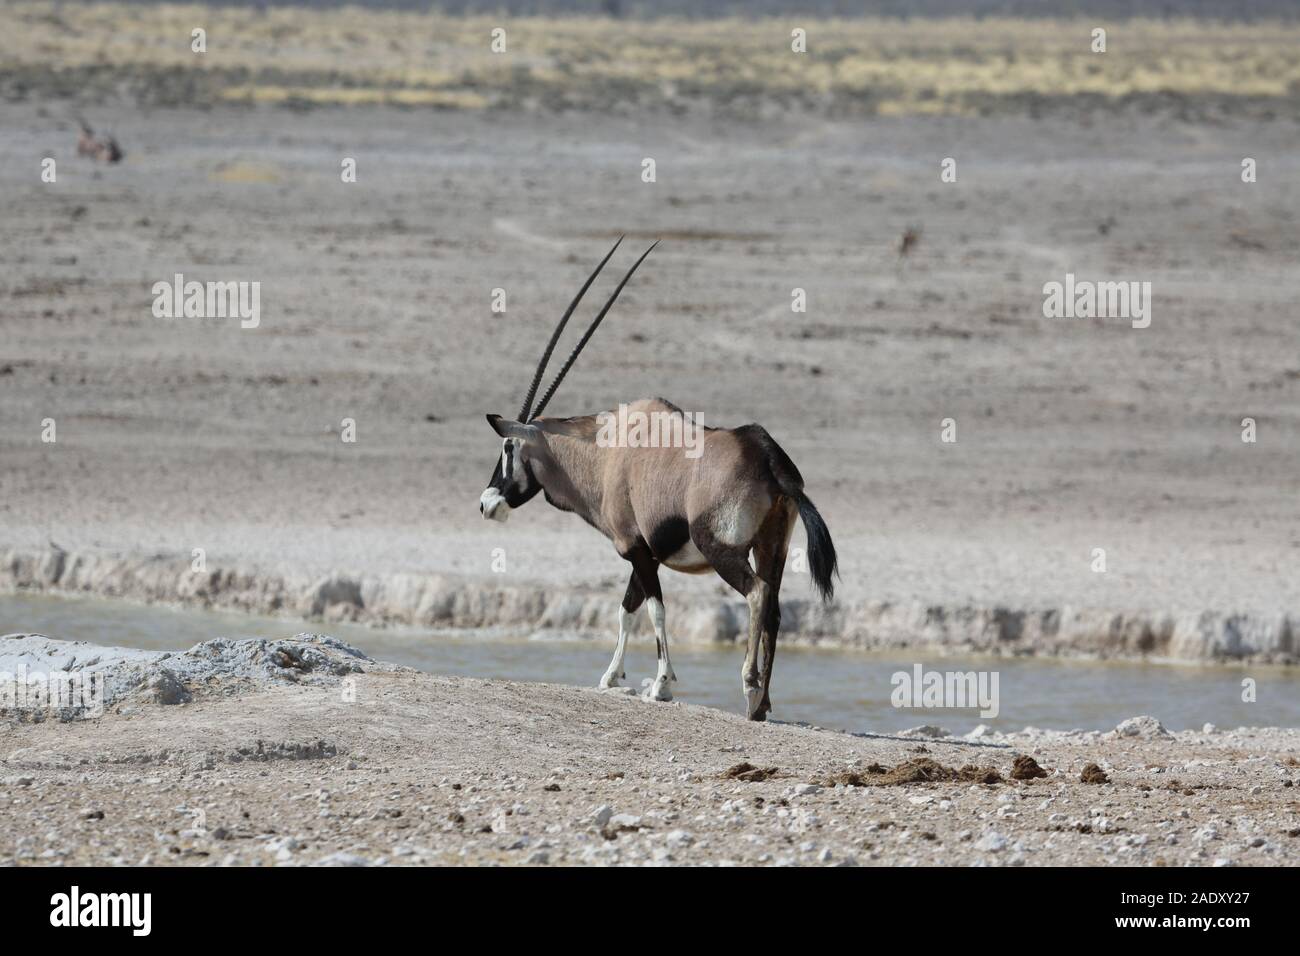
<point>698,615</point>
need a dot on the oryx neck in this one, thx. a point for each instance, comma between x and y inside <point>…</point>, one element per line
<point>567,468</point>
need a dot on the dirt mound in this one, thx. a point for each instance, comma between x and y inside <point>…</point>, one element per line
<point>111,675</point>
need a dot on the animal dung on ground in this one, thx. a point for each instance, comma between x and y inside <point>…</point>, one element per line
<point>749,773</point>
<point>917,770</point>
<point>1025,767</point>
<point>1093,774</point>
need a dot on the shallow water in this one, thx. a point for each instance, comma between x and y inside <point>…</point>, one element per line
<point>842,689</point>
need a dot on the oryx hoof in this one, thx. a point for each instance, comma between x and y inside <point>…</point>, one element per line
<point>610,681</point>
<point>660,689</point>
<point>756,704</point>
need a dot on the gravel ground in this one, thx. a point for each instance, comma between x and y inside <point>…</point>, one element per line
<point>323,765</point>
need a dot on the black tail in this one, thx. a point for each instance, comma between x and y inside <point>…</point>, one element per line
<point>821,549</point>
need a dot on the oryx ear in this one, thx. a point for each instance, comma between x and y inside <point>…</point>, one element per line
<point>508,429</point>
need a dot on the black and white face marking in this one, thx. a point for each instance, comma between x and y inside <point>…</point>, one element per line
<point>511,485</point>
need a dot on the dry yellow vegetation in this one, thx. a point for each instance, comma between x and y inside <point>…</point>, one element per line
<point>355,56</point>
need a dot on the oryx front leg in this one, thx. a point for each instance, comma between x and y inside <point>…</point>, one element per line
<point>661,689</point>
<point>632,599</point>
<point>614,673</point>
<point>645,574</point>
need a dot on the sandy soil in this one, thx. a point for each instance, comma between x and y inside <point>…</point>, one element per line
<point>394,766</point>
<point>1072,434</point>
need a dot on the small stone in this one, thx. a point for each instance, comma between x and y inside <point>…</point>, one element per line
<point>678,839</point>
<point>602,815</point>
<point>925,730</point>
<point>167,689</point>
<point>992,842</point>
<point>1141,727</point>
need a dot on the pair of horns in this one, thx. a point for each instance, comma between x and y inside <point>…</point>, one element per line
<point>527,413</point>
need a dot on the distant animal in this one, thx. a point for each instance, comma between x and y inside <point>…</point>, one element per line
<point>911,236</point>
<point>103,149</point>
<point>739,493</point>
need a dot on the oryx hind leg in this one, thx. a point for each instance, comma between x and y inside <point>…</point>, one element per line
<point>769,558</point>
<point>732,564</point>
<point>632,600</point>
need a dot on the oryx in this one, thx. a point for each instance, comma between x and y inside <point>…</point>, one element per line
<point>738,493</point>
<point>103,148</point>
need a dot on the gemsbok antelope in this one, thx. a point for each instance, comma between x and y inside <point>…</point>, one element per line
<point>738,493</point>
<point>103,149</point>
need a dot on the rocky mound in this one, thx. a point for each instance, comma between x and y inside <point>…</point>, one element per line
<point>40,676</point>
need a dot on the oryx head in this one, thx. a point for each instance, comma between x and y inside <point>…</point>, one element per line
<point>513,482</point>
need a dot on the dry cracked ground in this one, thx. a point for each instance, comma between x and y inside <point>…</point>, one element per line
<point>400,767</point>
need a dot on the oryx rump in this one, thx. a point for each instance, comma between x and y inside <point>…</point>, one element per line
<point>736,493</point>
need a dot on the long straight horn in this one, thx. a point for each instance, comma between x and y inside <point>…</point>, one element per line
<point>555,336</point>
<point>592,328</point>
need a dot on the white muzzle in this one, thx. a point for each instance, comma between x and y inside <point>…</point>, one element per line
<point>493,505</point>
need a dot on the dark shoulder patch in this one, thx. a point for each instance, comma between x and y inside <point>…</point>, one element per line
<point>667,539</point>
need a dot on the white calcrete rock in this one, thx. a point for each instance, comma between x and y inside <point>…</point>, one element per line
<point>1147,727</point>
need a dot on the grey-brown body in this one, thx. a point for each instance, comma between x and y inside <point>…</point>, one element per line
<point>739,496</point>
